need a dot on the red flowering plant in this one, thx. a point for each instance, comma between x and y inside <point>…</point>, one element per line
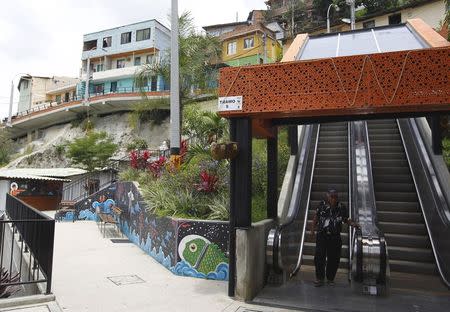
<point>139,159</point>
<point>156,167</point>
<point>208,182</point>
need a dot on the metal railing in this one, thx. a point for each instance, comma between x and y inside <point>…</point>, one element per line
<point>27,241</point>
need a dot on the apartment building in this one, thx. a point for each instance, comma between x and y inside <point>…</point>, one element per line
<point>251,42</point>
<point>115,55</point>
<point>37,91</point>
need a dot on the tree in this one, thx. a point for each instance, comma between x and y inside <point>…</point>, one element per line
<point>92,151</point>
<point>6,147</point>
<point>198,56</point>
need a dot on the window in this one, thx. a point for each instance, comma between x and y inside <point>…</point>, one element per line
<point>125,38</point>
<point>137,61</point>
<point>249,43</point>
<point>67,97</point>
<point>149,59</point>
<point>395,19</point>
<point>369,24</point>
<point>90,45</point>
<point>143,34</point>
<point>99,88</point>
<point>121,63</point>
<point>231,48</point>
<point>99,67</point>
<point>107,42</point>
<point>113,86</point>
<point>58,98</point>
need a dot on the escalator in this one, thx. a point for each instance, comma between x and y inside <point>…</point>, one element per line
<point>331,170</point>
<point>411,260</point>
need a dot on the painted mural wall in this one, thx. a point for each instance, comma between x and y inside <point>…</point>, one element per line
<point>186,247</point>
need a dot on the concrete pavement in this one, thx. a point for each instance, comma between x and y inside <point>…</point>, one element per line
<point>91,273</point>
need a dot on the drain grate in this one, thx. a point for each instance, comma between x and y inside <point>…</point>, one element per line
<point>120,240</point>
<point>126,279</point>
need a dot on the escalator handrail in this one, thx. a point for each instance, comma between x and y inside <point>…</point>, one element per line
<point>430,173</point>
<point>350,214</point>
<point>273,250</point>
<point>305,219</point>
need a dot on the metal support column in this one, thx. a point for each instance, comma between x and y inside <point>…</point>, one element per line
<point>436,134</point>
<point>272,176</point>
<point>240,189</point>
<point>293,139</point>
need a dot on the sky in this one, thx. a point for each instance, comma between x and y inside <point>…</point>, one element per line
<point>44,37</point>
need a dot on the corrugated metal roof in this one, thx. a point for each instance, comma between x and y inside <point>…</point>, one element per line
<point>12,174</point>
<point>48,172</point>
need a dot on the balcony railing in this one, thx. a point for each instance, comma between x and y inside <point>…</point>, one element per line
<point>26,236</point>
<point>48,105</point>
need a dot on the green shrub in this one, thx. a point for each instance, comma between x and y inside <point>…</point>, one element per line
<point>154,111</point>
<point>446,151</point>
<point>137,144</point>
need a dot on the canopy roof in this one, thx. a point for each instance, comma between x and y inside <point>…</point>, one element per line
<point>366,41</point>
<point>395,71</point>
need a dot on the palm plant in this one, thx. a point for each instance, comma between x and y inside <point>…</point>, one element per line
<point>6,278</point>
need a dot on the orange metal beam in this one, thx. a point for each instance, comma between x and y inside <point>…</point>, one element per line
<point>397,82</point>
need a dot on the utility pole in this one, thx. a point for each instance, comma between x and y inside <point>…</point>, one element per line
<point>264,37</point>
<point>174,85</point>
<point>352,13</point>
<point>292,18</point>
<point>11,99</point>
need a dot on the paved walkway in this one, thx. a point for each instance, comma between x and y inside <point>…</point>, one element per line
<point>86,264</point>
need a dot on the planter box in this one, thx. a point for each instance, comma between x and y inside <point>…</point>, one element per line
<point>193,248</point>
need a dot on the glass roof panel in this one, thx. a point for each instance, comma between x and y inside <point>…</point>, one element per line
<point>320,47</point>
<point>397,39</point>
<point>366,41</point>
<point>355,43</point>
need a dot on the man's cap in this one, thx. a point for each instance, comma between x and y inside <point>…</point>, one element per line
<point>332,192</point>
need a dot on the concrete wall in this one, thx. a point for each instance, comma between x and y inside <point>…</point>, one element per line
<point>162,35</point>
<point>4,188</point>
<point>251,268</point>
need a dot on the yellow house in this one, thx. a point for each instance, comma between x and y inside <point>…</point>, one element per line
<point>249,45</point>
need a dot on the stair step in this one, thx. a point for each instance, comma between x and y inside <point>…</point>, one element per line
<point>396,216</point>
<point>390,170</point>
<point>404,240</point>
<point>410,254</point>
<point>397,206</point>
<point>391,178</point>
<point>395,196</point>
<point>403,228</point>
<point>412,267</point>
<point>309,260</point>
<point>395,187</point>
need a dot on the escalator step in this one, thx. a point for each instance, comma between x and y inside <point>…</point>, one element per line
<point>390,170</point>
<point>388,156</point>
<point>410,254</point>
<point>400,216</point>
<point>386,149</point>
<point>396,196</point>
<point>412,267</point>
<point>397,206</point>
<point>403,228</point>
<point>395,187</point>
<point>338,179</point>
<point>309,260</point>
<point>390,163</point>
<point>323,187</point>
<point>404,240</point>
<point>392,178</point>
<point>338,164</point>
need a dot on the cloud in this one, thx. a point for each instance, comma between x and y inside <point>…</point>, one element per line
<point>45,37</point>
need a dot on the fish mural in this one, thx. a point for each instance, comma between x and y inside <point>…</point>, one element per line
<point>201,254</point>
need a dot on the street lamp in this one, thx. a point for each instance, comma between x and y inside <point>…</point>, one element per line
<point>328,15</point>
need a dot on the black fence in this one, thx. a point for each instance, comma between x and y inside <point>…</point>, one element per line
<point>26,235</point>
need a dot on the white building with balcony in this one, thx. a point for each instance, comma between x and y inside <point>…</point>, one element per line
<point>116,55</point>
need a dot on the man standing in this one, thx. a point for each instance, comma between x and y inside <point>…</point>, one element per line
<point>330,215</point>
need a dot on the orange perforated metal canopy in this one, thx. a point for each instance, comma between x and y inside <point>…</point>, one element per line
<point>392,76</point>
